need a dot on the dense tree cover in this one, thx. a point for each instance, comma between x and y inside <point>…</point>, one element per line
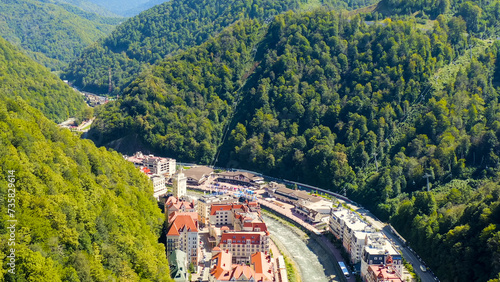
<point>180,106</point>
<point>54,33</point>
<point>349,106</point>
<point>479,15</point>
<point>162,30</point>
<point>83,213</point>
<point>21,76</point>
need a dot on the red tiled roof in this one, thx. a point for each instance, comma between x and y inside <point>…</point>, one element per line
<point>222,207</point>
<point>173,216</point>
<point>237,238</point>
<point>223,265</point>
<point>384,273</point>
<point>182,222</point>
<point>253,204</point>
<point>262,265</point>
<point>254,225</point>
<point>178,204</point>
<point>260,269</point>
<point>243,270</point>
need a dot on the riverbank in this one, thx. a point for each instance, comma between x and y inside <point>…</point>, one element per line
<point>292,270</point>
<point>306,235</point>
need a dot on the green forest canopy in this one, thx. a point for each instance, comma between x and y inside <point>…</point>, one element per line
<point>54,33</point>
<point>21,76</point>
<point>163,30</point>
<point>314,96</point>
<point>83,213</point>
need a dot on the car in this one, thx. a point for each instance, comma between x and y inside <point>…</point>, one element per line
<point>423,268</point>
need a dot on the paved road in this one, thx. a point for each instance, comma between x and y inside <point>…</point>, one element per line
<point>410,256</point>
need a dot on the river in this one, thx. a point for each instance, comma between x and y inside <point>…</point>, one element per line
<point>313,261</point>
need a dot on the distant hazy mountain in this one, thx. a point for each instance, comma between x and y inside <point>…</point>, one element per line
<point>53,33</point>
<point>127,7</point>
<point>135,11</point>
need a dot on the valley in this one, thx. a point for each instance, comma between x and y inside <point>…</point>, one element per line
<point>391,104</point>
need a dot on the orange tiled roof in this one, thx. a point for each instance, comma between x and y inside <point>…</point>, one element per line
<point>173,216</point>
<point>178,204</point>
<point>260,269</point>
<point>223,265</point>
<point>262,265</point>
<point>214,208</point>
<point>243,270</point>
<point>240,238</point>
<point>254,225</point>
<point>182,222</point>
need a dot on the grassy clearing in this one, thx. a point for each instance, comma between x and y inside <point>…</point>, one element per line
<point>446,74</point>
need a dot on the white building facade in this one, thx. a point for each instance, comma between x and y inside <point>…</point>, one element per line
<point>159,185</point>
<point>179,184</point>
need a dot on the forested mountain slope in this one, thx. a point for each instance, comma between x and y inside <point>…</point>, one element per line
<point>88,6</point>
<point>52,33</point>
<point>83,213</point>
<point>325,100</point>
<point>21,76</point>
<point>163,30</point>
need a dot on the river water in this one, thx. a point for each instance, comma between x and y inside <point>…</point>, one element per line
<point>312,260</point>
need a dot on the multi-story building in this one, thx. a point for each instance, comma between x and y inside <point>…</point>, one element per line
<point>223,214</point>
<point>314,209</point>
<point>179,184</point>
<point>260,268</point>
<point>337,221</point>
<point>243,244</point>
<point>382,273</point>
<point>240,178</point>
<point>157,165</point>
<point>197,175</point>
<point>174,204</point>
<point>183,235</point>
<point>379,251</point>
<point>241,217</point>
<point>348,227</point>
<point>205,203</point>
<point>158,185</point>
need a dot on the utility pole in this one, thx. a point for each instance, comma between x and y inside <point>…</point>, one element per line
<point>427,176</point>
<point>109,81</point>
<point>376,163</point>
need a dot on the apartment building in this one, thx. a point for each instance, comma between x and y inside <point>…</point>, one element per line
<point>183,235</point>
<point>205,203</point>
<point>379,251</point>
<point>243,244</point>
